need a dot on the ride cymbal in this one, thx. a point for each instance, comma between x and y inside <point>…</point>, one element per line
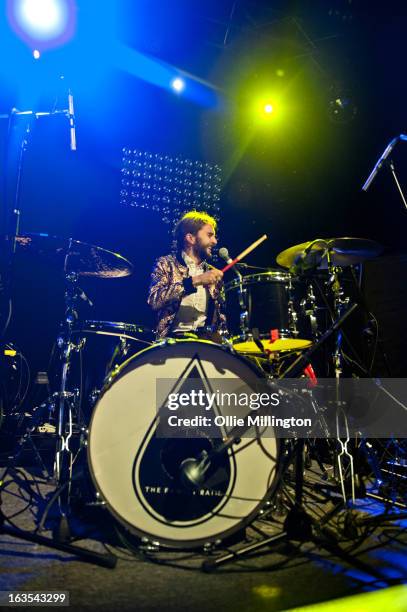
<point>80,257</point>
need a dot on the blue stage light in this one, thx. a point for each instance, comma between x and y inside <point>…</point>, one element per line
<point>42,21</point>
<point>178,84</point>
<point>36,54</point>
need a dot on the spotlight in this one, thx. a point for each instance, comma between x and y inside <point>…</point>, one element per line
<point>42,20</point>
<point>36,54</point>
<point>268,108</point>
<point>178,84</point>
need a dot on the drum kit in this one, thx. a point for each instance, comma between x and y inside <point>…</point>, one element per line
<point>106,396</point>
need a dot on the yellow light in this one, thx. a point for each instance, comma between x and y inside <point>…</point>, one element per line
<point>267,592</point>
<point>268,108</point>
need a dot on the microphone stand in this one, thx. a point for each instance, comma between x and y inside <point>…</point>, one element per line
<point>13,218</point>
<point>12,222</point>
<point>383,161</point>
<point>242,296</point>
<point>244,312</point>
<point>61,467</point>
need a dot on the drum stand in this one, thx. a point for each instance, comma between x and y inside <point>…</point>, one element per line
<point>63,455</point>
<point>66,401</point>
<point>298,526</point>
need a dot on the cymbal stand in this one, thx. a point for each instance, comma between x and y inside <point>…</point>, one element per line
<point>67,399</point>
<point>340,304</point>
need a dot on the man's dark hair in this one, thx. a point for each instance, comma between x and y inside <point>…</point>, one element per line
<point>191,223</point>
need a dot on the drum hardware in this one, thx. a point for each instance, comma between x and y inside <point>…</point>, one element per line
<point>73,256</point>
<point>296,368</point>
<point>30,427</point>
<point>94,396</point>
<point>241,292</point>
<point>270,308</point>
<point>77,259</point>
<point>105,560</point>
<point>344,458</point>
<point>333,255</point>
<point>343,252</point>
<point>66,400</point>
<point>334,287</point>
<point>14,241</point>
<point>292,315</point>
<point>298,525</point>
<point>194,470</point>
<point>309,308</point>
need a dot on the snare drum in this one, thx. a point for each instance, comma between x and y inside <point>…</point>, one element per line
<point>273,308</point>
<point>136,472</point>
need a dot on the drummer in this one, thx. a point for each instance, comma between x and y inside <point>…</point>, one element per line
<point>185,290</point>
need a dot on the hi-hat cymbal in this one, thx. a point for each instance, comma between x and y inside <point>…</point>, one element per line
<point>75,256</point>
<point>343,252</point>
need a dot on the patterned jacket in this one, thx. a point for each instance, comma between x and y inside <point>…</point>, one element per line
<point>170,282</point>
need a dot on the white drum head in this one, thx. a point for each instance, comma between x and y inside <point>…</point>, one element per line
<point>137,473</point>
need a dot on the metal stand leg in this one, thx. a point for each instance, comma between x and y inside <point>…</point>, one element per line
<point>297,526</point>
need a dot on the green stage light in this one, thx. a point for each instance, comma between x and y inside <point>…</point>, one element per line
<point>265,109</point>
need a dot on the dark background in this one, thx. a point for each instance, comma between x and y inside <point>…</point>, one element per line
<point>297,183</point>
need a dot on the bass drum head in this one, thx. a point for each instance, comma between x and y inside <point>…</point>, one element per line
<point>137,473</point>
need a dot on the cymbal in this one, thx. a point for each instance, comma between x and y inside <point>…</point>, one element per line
<point>80,257</point>
<point>343,251</point>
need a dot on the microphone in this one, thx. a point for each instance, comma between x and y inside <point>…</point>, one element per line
<point>300,264</point>
<point>382,159</point>
<point>71,115</point>
<point>224,254</point>
<point>193,470</point>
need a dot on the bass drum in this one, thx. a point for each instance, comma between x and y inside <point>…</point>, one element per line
<point>137,472</point>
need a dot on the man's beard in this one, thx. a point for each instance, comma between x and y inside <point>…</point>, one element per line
<point>201,251</point>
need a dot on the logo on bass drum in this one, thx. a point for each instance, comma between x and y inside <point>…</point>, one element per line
<point>157,478</point>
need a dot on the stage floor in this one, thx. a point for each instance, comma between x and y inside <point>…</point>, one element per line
<point>278,577</point>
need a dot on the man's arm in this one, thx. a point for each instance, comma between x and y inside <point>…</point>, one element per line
<point>162,290</point>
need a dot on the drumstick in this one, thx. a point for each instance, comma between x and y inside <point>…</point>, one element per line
<point>244,253</point>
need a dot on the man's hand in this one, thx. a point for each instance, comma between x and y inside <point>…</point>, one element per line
<point>211,277</point>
